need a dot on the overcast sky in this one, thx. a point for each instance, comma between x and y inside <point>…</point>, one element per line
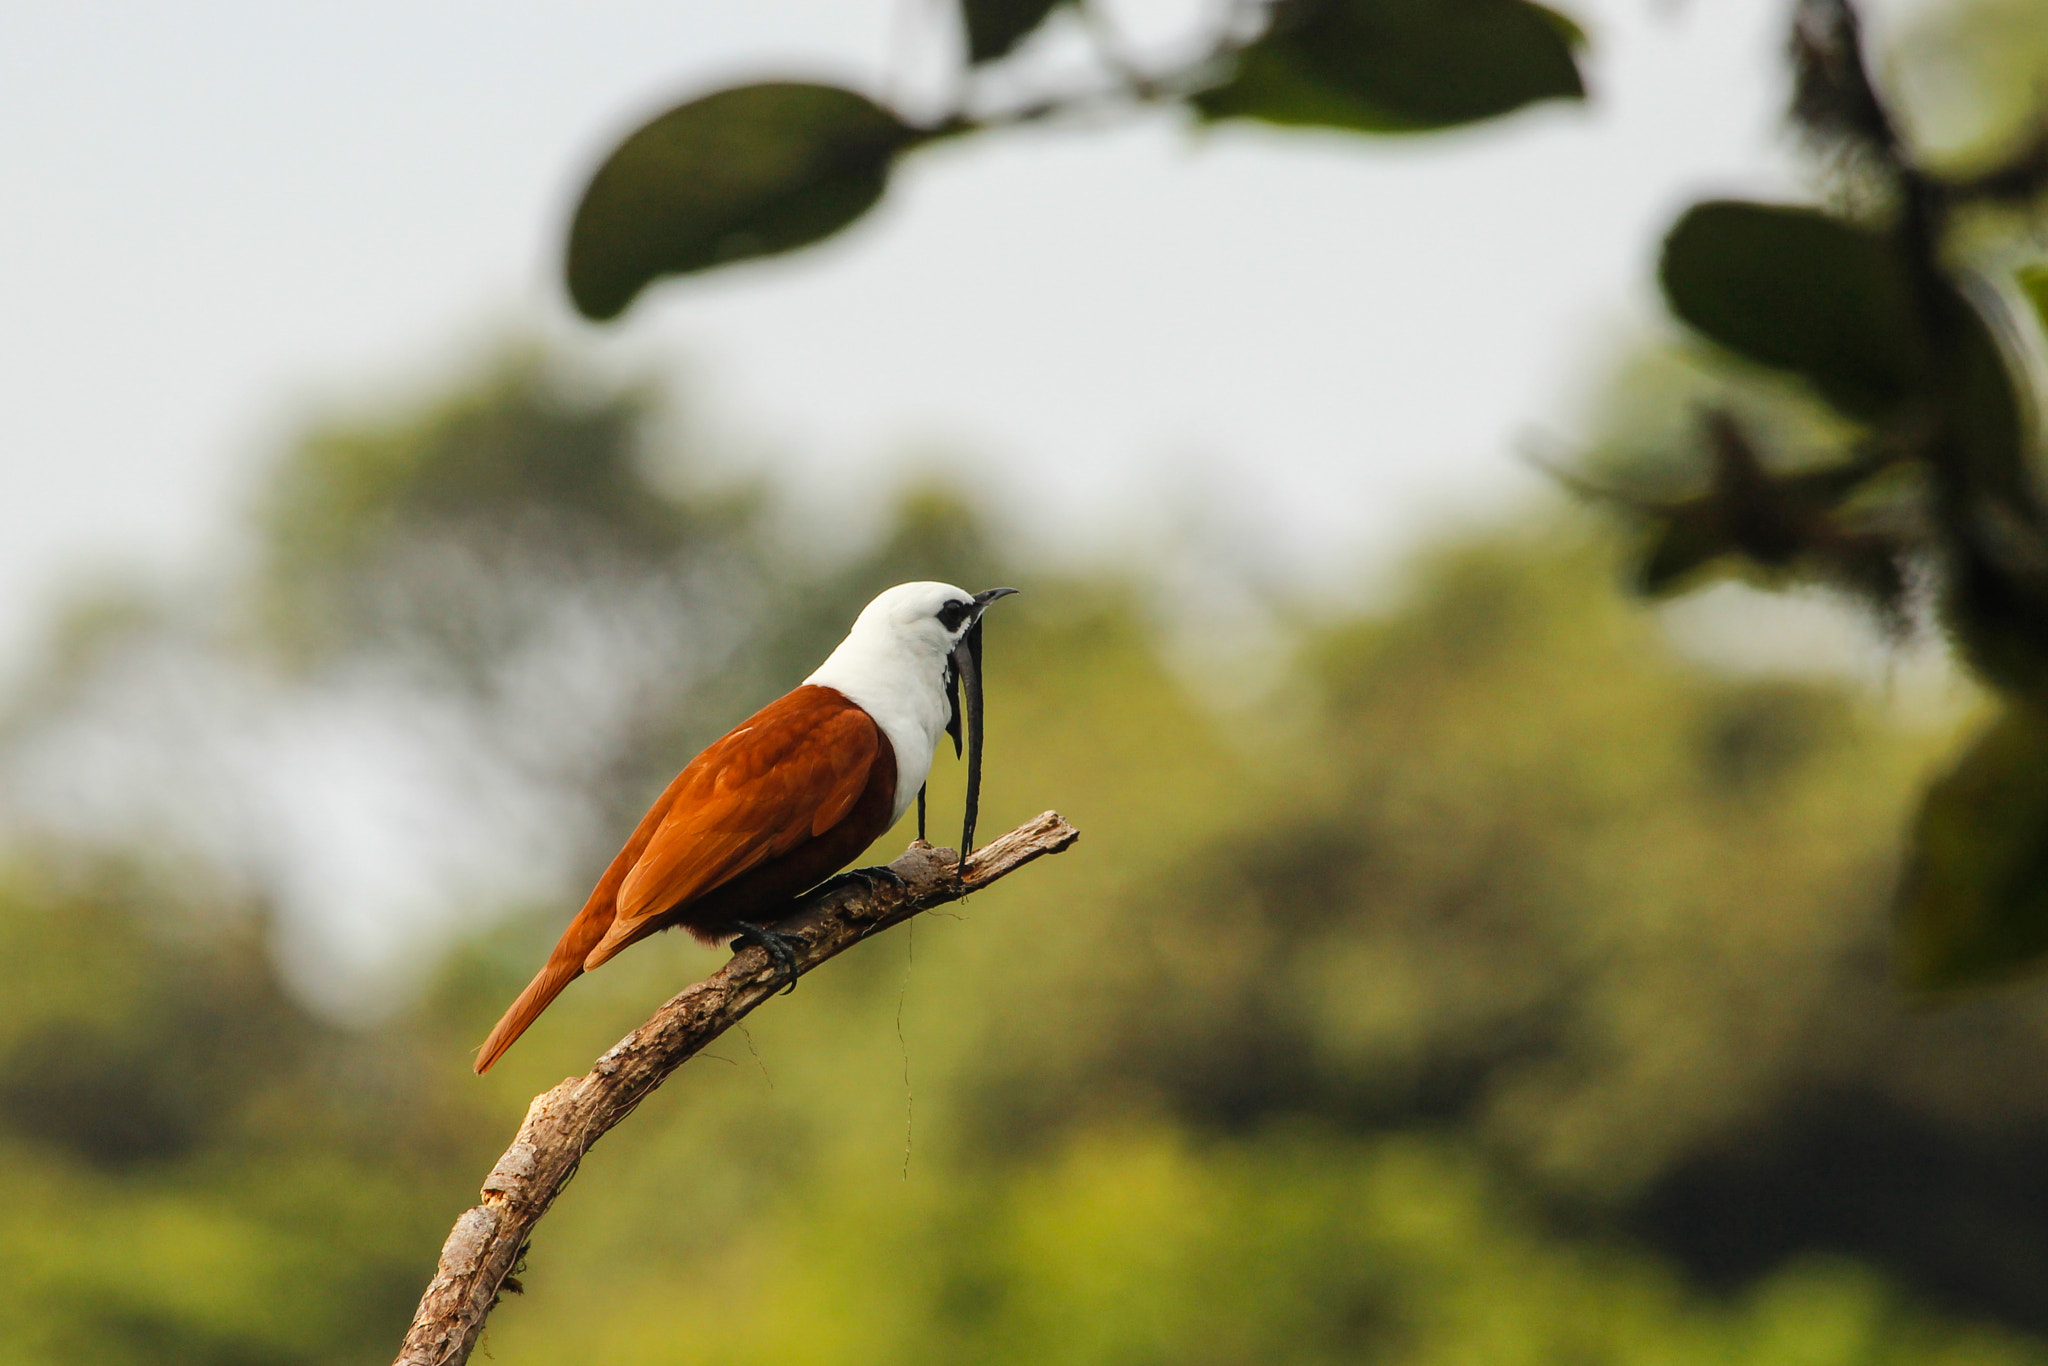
<point>224,214</point>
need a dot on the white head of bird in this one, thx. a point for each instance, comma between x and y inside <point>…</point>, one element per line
<point>901,664</point>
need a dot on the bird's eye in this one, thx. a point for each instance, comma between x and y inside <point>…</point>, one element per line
<point>953,613</point>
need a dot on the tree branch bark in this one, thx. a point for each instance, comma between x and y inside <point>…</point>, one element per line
<point>562,1124</point>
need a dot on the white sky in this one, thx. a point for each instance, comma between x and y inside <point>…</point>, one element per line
<point>222,213</point>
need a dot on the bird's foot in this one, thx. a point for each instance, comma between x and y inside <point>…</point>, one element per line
<point>873,877</point>
<point>779,947</point>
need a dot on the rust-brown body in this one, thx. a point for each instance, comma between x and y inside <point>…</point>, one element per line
<point>787,798</point>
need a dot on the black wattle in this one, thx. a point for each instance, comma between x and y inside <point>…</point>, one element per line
<point>967,666</point>
<point>953,703</point>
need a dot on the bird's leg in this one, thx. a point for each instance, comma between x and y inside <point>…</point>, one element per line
<point>776,945</point>
<point>873,877</point>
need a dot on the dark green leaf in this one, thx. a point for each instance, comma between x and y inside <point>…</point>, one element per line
<point>1988,419</point>
<point>1974,905</point>
<point>994,27</point>
<point>1272,85</point>
<point>1795,289</point>
<point>1566,26</point>
<point>1382,66</point>
<point>1995,602</point>
<point>745,172</point>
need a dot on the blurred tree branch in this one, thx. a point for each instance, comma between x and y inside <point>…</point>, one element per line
<point>562,1124</point>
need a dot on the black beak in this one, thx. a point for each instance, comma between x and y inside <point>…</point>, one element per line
<point>971,641</point>
<point>966,677</point>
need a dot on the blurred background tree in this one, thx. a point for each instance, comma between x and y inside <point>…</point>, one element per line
<point>1502,982</point>
<point>1492,981</point>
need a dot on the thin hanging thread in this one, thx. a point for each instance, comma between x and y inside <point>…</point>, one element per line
<point>759,1061</point>
<point>909,1098</point>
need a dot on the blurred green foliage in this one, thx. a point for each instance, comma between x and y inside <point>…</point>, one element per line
<point>745,172</point>
<point>1501,987</point>
<point>1903,305</point>
<point>1398,66</point>
<point>1978,903</point>
<point>993,28</point>
<point>760,169</point>
<point>197,1172</point>
<point>1799,290</point>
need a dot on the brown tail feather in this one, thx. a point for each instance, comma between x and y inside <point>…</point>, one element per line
<point>564,966</point>
<point>546,985</point>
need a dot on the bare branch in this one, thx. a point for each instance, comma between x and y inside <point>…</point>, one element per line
<point>562,1124</point>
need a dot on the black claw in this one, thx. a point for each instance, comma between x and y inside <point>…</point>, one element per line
<point>873,877</point>
<point>776,945</point>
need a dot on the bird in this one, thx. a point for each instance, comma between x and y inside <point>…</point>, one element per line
<point>790,796</point>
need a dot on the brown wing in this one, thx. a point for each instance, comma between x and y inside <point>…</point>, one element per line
<point>788,775</point>
<point>791,772</point>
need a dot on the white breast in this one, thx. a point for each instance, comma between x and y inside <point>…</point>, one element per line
<point>904,694</point>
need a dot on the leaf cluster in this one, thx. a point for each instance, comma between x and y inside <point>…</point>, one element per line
<point>761,169</point>
<point>1939,484</point>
